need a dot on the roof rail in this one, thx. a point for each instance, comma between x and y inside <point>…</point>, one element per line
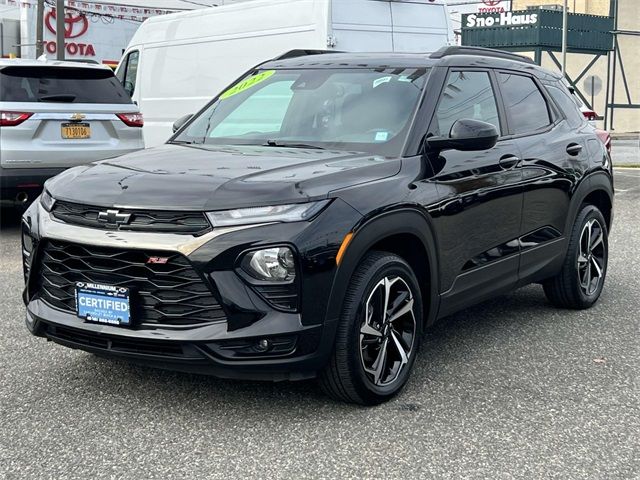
<point>485,52</point>
<point>301,53</point>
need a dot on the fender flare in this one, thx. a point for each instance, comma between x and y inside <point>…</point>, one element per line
<point>599,180</point>
<point>406,220</point>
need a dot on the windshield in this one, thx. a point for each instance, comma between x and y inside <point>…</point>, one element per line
<point>365,110</point>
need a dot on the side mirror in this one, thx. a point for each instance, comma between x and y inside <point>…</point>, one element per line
<point>466,135</point>
<point>179,123</point>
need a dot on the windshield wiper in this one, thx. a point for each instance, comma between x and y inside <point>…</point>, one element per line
<point>182,142</point>
<point>58,97</point>
<point>275,143</point>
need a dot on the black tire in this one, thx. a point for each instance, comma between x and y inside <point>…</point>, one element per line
<point>344,378</point>
<point>567,289</point>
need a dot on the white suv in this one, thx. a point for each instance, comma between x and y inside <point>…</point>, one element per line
<point>55,115</point>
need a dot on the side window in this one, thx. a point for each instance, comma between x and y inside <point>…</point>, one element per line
<point>128,72</point>
<point>525,104</point>
<point>262,112</point>
<point>466,95</point>
<point>567,105</point>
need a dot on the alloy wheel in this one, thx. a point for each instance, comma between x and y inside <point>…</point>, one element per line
<point>591,257</point>
<point>388,330</point>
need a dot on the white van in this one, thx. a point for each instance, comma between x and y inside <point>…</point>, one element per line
<point>176,63</point>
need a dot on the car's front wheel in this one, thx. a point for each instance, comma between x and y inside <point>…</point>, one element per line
<point>378,334</point>
<point>580,282</point>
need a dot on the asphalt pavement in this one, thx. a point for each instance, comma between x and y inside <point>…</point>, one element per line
<point>512,388</point>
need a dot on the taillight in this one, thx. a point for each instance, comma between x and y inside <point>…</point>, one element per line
<point>604,136</point>
<point>590,115</point>
<point>11,119</point>
<point>131,119</point>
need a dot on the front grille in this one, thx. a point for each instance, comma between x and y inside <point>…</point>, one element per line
<point>170,293</point>
<point>186,223</point>
<point>284,296</point>
<point>121,344</point>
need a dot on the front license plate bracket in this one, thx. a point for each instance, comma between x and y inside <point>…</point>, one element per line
<point>105,304</point>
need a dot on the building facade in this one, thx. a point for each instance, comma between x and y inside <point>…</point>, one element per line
<point>624,119</point>
<point>9,30</point>
<point>94,31</point>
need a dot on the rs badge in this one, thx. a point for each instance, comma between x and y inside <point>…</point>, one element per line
<point>158,260</point>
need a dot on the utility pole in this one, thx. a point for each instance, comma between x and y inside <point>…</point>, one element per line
<point>60,29</point>
<point>565,31</point>
<point>39,28</point>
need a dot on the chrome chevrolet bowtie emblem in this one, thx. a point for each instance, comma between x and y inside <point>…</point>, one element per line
<point>77,117</point>
<point>114,217</point>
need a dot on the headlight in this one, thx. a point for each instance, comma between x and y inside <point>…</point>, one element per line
<point>271,264</point>
<point>277,213</point>
<point>46,200</point>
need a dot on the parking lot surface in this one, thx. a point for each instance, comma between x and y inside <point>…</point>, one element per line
<point>512,388</point>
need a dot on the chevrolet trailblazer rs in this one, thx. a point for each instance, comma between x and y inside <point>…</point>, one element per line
<point>314,218</point>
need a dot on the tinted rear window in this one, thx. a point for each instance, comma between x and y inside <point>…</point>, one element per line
<point>60,84</point>
<point>525,104</point>
<point>565,100</point>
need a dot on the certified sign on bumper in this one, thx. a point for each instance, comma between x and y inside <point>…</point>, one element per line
<point>103,303</point>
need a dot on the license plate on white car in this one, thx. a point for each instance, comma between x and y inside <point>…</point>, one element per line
<point>75,131</point>
<point>103,304</point>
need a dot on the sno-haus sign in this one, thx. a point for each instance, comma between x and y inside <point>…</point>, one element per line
<point>504,19</point>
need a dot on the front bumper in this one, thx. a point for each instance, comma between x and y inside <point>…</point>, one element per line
<point>187,351</point>
<point>301,341</point>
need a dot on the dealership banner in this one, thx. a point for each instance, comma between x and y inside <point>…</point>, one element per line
<point>92,31</point>
<point>504,19</point>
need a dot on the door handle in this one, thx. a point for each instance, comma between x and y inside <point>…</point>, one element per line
<point>509,161</point>
<point>574,149</point>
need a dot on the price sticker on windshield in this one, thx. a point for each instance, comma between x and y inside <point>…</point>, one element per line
<point>247,84</point>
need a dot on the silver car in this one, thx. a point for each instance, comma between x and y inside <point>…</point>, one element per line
<point>55,115</point>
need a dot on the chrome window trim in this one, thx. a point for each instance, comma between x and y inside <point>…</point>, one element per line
<point>185,244</point>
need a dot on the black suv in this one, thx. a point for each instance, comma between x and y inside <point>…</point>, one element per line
<point>320,213</point>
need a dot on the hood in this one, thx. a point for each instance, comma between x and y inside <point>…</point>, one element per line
<point>179,177</point>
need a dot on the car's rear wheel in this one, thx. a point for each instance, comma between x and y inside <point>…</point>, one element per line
<point>378,334</point>
<point>580,282</point>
